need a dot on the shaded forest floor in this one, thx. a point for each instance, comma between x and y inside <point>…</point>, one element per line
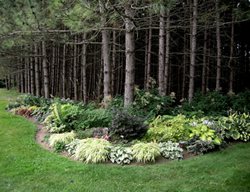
<point>25,166</point>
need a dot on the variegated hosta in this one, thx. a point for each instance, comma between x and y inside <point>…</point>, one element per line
<point>171,150</point>
<point>121,155</point>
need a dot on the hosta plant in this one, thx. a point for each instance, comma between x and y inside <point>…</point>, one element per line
<point>204,132</point>
<point>71,147</point>
<point>168,128</point>
<point>121,155</point>
<point>171,150</point>
<point>200,146</point>
<point>236,126</point>
<point>92,150</point>
<point>146,152</point>
<point>59,140</point>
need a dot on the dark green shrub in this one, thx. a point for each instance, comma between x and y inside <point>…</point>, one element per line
<point>126,126</point>
<point>213,103</point>
<point>89,118</point>
<point>150,103</point>
<point>241,102</point>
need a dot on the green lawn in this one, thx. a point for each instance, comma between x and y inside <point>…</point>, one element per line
<point>25,166</point>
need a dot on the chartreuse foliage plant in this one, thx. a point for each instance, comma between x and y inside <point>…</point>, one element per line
<point>168,128</point>
<point>146,152</point>
<point>236,126</point>
<point>203,132</point>
<point>92,150</point>
<point>121,155</point>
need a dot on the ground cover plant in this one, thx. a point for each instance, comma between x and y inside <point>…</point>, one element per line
<point>25,166</point>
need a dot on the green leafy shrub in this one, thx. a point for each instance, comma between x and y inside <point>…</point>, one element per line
<point>13,105</point>
<point>62,118</point>
<point>92,150</point>
<point>90,117</point>
<point>168,128</point>
<point>121,155</point>
<point>213,103</point>
<point>171,150</point>
<point>241,102</point>
<point>150,103</point>
<point>236,126</point>
<point>145,152</point>
<point>58,141</point>
<point>126,126</point>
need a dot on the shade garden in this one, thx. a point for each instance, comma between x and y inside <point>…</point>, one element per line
<point>25,166</point>
<point>153,128</point>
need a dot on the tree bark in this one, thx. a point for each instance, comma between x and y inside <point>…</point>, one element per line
<point>149,48</point>
<point>218,44</point>
<point>130,55</point>
<point>105,55</point>
<point>167,57</point>
<point>45,71</point>
<point>204,66</point>
<point>37,74</point>
<point>64,72</point>
<point>75,79</point>
<point>113,64</point>
<point>84,69</point>
<point>32,80</point>
<point>230,64</point>
<point>192,52</point>
<point>162,90</point>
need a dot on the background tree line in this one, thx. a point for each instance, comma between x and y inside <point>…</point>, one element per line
<point>87,50</point>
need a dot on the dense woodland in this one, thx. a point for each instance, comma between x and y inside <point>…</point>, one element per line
<point>94,50</point>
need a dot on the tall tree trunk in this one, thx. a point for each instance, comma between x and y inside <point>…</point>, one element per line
<point>64,72</point>
<point>162,90</point>
<point>167,57</point>
<point>218,43</point>
<point>105,55</point>
<point>230,64</point>
<point>37,74</point>
<point>32,80</point>
<point>192,52</point>
<point>149,48</point>
<point>52,72</point>
<point>113,64</point>
<point>75,79</point>
<point>130,55</point>
<point>45,71</point>
<point>204,66</point>
<point>84,69</point>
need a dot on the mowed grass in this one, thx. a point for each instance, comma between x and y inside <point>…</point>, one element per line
<point>25,166</point>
